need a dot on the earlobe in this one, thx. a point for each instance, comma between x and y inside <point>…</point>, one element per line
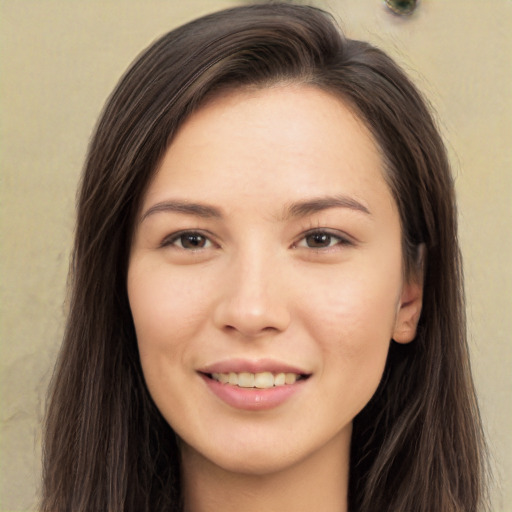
<point>411,302</point>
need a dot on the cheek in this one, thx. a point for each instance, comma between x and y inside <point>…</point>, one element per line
<point>355,308</point>
<point>351,317</point>
<point>355,335</point>
<point>167,310</point>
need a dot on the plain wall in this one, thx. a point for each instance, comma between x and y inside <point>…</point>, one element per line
<point>59,61</point>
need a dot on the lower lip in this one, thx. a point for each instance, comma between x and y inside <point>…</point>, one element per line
<point>253,399</point>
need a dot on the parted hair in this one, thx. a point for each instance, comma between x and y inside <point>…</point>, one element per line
<point>418,445</point>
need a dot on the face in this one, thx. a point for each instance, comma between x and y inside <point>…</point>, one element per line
<point>266,278</point>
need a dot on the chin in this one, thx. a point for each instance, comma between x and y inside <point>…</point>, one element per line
<point>255,464</point>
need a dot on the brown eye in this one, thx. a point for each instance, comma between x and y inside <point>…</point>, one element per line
<point>189,240</point>
<point>192,241</point>
<point>319,240</point>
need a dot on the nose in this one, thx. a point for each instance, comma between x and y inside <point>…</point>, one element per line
<point>253,298</point>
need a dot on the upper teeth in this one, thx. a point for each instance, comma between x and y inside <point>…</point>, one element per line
<point>256,380</point>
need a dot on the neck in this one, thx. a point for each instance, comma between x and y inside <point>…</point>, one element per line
<point>319,482</point>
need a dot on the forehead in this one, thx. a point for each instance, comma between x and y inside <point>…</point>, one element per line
<point>281,143</point>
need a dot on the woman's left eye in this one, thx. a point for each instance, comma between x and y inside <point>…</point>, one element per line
<point>321,240</point>
<point>189,240</point>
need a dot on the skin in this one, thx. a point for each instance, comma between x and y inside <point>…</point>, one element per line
<point>258,285</point>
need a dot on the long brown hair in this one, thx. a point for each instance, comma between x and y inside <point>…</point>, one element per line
<point>418,444</point>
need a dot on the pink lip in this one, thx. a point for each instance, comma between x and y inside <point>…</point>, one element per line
<point>252,399</point>
<point>244,365</point>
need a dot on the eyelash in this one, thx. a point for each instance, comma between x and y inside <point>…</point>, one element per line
<point>180,236</point>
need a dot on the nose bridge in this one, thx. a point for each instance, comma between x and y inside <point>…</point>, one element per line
<point>253,296</point>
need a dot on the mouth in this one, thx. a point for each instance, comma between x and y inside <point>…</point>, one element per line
<point>257,385</point>
<point>260,380</point>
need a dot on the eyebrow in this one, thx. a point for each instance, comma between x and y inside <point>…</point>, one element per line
<point>310,206</point>
<point>204,211</point>
<point>293,210</point>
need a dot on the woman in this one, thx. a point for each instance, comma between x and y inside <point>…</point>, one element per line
<point>267,307</point>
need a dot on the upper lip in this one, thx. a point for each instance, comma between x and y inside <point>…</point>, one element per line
<point>251,366</point>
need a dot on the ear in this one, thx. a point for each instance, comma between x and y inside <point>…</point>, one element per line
<point>411,301</point>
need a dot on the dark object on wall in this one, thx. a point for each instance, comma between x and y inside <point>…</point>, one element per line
<point>401,7</point>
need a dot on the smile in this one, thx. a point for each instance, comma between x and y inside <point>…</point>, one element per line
<point>254,385</point>
<point>261,380</point>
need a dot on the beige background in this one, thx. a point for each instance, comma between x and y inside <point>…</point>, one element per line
<point>59,61</point>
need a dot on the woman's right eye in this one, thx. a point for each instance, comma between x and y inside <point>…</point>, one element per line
<point>188,240</point>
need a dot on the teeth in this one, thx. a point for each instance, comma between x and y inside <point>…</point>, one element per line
<point>263,380</point>
<point>290,378</point>
<point>280,379</point>
<point>246,380</point>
